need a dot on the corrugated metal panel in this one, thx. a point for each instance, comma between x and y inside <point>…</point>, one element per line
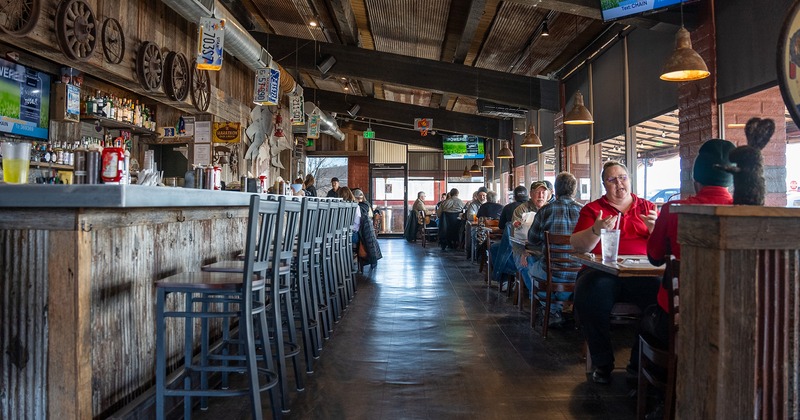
<point>387,152</point>
<point>293,19</point>
<point>405,27</point>
<point>424,162</point>
<point>509,36</point>
<point>406,95</point>
<point>23,317</point>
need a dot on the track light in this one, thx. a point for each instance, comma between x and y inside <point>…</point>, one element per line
<point>354,110</point>
<point>326,64</point>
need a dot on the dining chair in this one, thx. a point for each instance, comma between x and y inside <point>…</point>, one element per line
<point>658,365</point>
<point>556,254</point>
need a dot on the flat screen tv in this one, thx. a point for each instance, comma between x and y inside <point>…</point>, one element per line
<point>462,147</point>
<point>618,9</point>
<point>24,101</point>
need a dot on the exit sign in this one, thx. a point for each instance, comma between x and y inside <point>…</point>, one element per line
<point>369,134</point>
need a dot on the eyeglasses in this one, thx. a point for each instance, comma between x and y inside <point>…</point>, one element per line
<point>620,178</point>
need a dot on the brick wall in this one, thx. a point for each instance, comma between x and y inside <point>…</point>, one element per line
<point>697,101</point>
<point>765,104</point>
<point>358,174</point>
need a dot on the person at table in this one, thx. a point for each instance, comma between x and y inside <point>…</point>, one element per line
<point>711,186</point>
<point>520,196</point>
<point>449,213</point>
<point>491,208</point>
<point>444,197</point>
<point>477,201</point>
<point>419,205</point>
<point>596,291</point>
<point>308,185</point>
<point>560,218</point>
<point>541,193</point>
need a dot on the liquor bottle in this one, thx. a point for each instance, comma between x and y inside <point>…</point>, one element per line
<point>111,108</point>
<point>137,115</point>
<point>98,102</point>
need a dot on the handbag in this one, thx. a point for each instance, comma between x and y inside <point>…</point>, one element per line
<point>362,250</point>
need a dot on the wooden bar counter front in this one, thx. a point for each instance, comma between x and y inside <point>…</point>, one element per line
<point>77,266</point>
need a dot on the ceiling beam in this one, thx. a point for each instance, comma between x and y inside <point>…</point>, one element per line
<point>400,113</point>
<point>433,75</point>
<point>585,8</point>
<point>398,135</point>
<point>345,21</point>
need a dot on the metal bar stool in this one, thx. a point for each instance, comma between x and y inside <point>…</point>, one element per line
<point>318,282</point>
<point>329,272</point>
<point>238,288</point>
<point>306,294</point>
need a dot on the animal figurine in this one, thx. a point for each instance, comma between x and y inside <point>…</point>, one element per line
<point>749,187</point>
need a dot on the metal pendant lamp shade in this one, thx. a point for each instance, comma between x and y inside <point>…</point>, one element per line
<point>487,162</point>
<point>467,173</point>
<point>531,138</point>
<point>684,64</point>
<point>579,114</point>
<point>505,152</point>
<point>475,168</point>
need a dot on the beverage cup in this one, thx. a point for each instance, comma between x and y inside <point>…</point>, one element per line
<point>609,244</point>
<point>16,161</point>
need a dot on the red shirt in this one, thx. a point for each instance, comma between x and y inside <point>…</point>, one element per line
<point>633,232</point>
<point>664,240</point>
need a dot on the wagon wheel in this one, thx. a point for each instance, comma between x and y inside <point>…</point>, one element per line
<point>176,82</point>
<point>113,41</point>
<point>201,89</point>
<point>76,29</point>
<point>149,66</point>
<point>18,17</point>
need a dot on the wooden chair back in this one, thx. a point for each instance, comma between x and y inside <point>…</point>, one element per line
<point>556,253</point>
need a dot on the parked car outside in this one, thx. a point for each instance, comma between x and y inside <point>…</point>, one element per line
<point>662,196</point>
<point>793,199</point>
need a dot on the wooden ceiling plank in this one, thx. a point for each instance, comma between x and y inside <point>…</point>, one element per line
<point>416,72</point>
<point>470,29</point>
<point>584,8</point>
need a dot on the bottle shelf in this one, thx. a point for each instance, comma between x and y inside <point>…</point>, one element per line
<point>119,125</point>
<point>51,165</point>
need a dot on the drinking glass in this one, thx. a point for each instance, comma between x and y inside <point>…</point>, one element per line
<point>16,161</point>
<point>609,244</point>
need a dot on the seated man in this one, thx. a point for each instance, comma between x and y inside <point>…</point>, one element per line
<point>450,227</point>
<point>502,260</point>
<point>560,218</point>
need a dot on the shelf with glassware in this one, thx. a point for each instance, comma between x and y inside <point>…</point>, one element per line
<point>116,125</point>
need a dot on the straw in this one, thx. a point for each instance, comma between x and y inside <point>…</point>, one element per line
<point>616,225</point>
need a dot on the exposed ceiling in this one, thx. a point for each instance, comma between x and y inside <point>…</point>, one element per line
<point>438,54</point>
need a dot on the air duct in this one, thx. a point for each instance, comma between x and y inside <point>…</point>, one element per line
<point>327,123</point>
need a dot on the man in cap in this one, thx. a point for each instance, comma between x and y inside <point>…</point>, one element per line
<point>520,196</point>
<point>541,194</point>
<point>334,191</point>
<point>711,184</point>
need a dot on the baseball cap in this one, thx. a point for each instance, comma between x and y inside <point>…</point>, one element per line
<point>711,159</point>
<point>546,184</point>
<point>520,194</point>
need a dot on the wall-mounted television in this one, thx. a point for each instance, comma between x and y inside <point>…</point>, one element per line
<point>618,9</point>
<point>462,147</point>
<point>24,101</point>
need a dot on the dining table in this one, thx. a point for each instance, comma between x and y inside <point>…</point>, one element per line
<point>624,266</point>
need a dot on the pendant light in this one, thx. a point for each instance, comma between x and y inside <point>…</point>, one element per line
<point>475,168</point>
<point>684,64</point>
<point>505,152</point>
<point>467,173</point>
<point>531,138</point>
<point>579,115</point>
<point>487,161</point>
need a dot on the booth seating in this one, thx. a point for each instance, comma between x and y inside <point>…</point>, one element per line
<point>210,295</point>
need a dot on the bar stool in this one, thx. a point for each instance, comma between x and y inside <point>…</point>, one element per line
<point>307,294</point>
<point>329,265</point>
<point>318,283</point>
<point>263,227</point>
<point>286,347</point>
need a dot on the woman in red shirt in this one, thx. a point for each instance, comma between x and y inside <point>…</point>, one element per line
<point>596,292</point>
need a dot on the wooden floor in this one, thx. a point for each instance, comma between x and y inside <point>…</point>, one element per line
<point>425,338</point>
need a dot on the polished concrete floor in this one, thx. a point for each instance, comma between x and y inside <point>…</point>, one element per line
<point>425,338</point>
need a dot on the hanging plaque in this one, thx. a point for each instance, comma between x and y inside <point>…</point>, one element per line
<point>297,110</point>
<point>274,87</point>
<point>226,132</point>
<point>313,126</point>
<point>210,43</point>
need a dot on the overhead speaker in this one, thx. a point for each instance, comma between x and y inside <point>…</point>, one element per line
<point>354,110</point>
<point>326,64</point>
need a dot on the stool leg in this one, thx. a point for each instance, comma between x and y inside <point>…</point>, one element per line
<point>204,356</point>
<point>266,355</point>
<point>277,334</point>
<point>292,335</point>
<point>305,322</point>
<point>161,358</point>
<point>252,370</point>
<point>188,332</point>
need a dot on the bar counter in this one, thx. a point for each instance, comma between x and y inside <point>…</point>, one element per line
<point>77,302</point>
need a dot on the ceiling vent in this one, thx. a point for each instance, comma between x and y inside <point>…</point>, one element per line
<point>492,109</point>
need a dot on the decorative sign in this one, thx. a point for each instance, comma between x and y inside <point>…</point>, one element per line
<point>369,134</point>
<point>73,102</point>
<point>202,154</point>
<point>210,42</point>
<point>226,132</point>
<point>313,126</point>
<point>202,132</point>
<point>297,113</point>
<point>261,88</point>
<point>274,87</point>
<point>423,125</point>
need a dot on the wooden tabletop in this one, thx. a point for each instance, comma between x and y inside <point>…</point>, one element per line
<point>626,265</point>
